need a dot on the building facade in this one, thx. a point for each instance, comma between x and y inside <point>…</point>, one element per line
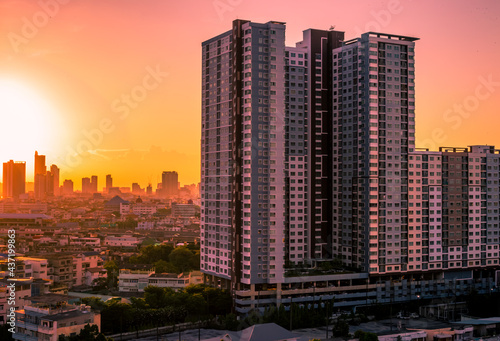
<point>309,161</point>
<point>14,179</point>
<point>169,183</point>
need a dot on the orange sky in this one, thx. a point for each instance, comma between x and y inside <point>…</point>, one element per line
<point>74,69</point>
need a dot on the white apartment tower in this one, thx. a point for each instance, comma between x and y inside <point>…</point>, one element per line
<point>243,180</point>
<point>309,160</point>
<point>373,132</point>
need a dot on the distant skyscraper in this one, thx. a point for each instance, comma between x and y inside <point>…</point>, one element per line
<point>149,190</point>
<point>54,170</point>
<point>40,167</point>
<point>109,182</point>
<point>136,189</point>
<point>67,187</point>
<point>14,179</point>
<point>93,184</point>
<point>170,184</point>
<point>86,187</point>
<point>49,184</point>
<point>39,175</point>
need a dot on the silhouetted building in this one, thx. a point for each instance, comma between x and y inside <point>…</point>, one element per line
<point>55,171</point>
<point>40,181</point>
<point>86,186</point>
<point>109,182</point>
<point>170,183</point>
<point>49,184</point>
<point>93,184</point>
<point>14,179</point>
<point>136,189</point>
<point>68,187</point>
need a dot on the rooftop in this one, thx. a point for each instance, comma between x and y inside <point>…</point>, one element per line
<point>24,216</point>
<point>66,315</point>
<point>478,322</point>
<point>51,298</point>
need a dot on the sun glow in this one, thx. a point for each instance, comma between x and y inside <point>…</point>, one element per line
<point>27,123</point>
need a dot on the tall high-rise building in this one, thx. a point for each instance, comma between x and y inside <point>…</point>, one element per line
<point>40,167</point>
<point>49,184</point>
<point>170,184</point>
<point>39,175</point>
<point>109,182</point>
<point>67,187</point>
<point>86,186</point>
<point>308,160</point>
<point>55,172</point>
<point>14,179</point>
<point>136,188</point>
<point>243,178</point>
<point>286,139</point>
<point>374,132</point>
<point>93,184</point>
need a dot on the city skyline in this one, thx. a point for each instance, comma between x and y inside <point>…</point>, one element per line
<point>62,74</point>
<point>48,182</point>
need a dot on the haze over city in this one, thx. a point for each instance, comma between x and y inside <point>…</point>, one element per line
<point>249,170</point>
<point>132,70</point>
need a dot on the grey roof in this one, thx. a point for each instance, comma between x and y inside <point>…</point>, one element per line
<point>259,332</point>
<point>90,253</point>
<point>479,322</point>
<point>24,216</point>
<point>17,282</point>
<point>116,200</point>
<point>66,315</point>
<point>51,298</point>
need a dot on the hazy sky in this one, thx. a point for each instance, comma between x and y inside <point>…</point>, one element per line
<point>121,78</point>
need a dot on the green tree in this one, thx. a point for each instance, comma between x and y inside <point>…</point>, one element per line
<point>100,283</point>
<point>341,329</point>
<point>156,297</point>
<point>112,270</point>
<point>88,333</point>
<point>162,266</point>
<point>181,258</point>
<point>116,317</point>
<point>94,302</point>
<point>151,254</point>
<point>365,336</point>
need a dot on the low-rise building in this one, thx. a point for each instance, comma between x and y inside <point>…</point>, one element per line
<point>84,261</point>
<point>137,280</point>
<point>34,267</point>
<point>133,280</point>
<point>49,316</point>
<point>122,241</point>
<point>13,294</point>
<point>60,269</point>
<point>92,274</point>
<point>183,210</point>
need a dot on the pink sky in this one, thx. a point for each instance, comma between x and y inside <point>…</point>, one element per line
<point>88,54</point>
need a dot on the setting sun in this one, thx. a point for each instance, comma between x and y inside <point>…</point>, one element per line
<point>27,120</point>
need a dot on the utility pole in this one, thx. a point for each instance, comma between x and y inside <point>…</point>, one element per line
<point>327,319</point>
